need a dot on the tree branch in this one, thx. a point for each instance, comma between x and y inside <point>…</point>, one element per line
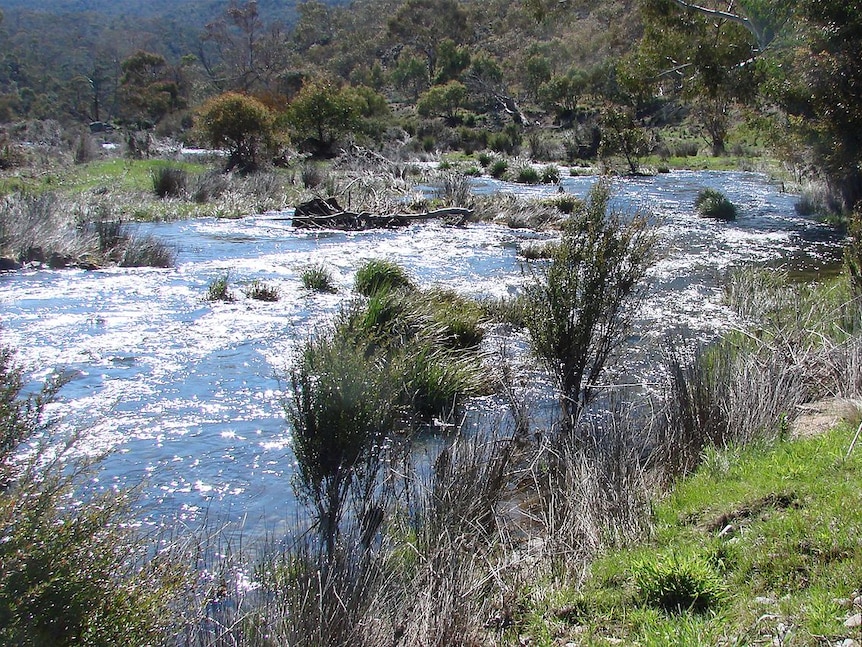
<point>725,15</point>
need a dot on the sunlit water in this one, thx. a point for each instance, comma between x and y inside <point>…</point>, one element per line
<point>187,396</point>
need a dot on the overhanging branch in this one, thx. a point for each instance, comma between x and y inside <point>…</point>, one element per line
<point>726,15</point>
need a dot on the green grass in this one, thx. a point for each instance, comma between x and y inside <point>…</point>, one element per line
<point>757,538</point>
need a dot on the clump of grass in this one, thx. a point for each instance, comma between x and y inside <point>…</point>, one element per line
<point>455,189</point>
<point>311,175</point>
<point>208,186</point>
<point>677,584</point>
<point>498,168</point>
<point>564,202</point>
<point>711,203</point>
<point>169,181</point>
<point>219,289</point>
<point>260,291</point>
<point>527,175</point>
<point>318,278</point>
<point>147,251</point>
<point>379,275</point>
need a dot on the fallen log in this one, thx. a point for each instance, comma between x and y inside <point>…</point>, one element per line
<point>327,214</point>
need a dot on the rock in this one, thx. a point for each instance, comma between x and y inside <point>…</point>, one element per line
<point>854,621</point>
<point>9,265</point>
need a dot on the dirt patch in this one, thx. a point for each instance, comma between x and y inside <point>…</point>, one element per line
<point>774,501</point>
<point>819,417</point>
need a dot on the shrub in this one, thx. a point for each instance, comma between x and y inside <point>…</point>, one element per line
<point>340,410</point>
<point>379,275</point>
<point>564,202</point>
<point>219,290</point>
<point>147,251</point>
<point>71,570</point>
<point>260,291</point>
<point>240,124</point>
<point>711,203</point>
<point>312,175</point>
<point>527,175</point>
<point>169,181</point>
<point>498,168</point>
<point>580,303</point>
<point>318,278</point>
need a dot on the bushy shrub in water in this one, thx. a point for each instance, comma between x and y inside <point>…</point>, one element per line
<point>527,175</point>
<point>551,174</point>
<point>711,203</point>
<point>377,274</point>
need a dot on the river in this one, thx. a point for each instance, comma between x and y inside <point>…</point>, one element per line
<point>185,396</point>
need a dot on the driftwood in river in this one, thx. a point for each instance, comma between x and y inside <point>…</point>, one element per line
<point>327,214</point>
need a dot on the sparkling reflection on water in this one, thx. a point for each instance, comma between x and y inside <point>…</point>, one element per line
<point>186,395</point>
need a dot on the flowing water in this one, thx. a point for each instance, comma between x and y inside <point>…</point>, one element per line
<point>187,396</point>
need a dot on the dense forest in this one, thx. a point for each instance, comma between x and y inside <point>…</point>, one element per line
<point>467,75</point>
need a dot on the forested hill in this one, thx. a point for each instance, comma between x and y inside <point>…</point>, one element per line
<point>194,12</point>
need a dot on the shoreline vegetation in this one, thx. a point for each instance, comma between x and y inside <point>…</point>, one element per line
<point>702,514</point>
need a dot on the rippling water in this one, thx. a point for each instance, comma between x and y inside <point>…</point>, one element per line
<point>186,395</point>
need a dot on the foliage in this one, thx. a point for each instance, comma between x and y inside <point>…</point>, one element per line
<point>581,303</point>
<point>69,574</point>
<point>711,203</point>
<point>219,289</point>
<point>379,275</point>
<point>239,123</point>
<point>318,278</point>
<point>169,181</point>
<point>260,291</point>
<point>442,100</point>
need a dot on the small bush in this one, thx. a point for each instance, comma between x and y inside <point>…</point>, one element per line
<point>311,176</point>
<point>169,181</point>
<point>678,584</point>
<point>260,291</point>
<point>318,278</point>
<point>498,168</point>
<point>485,159</point>
<point>208,186</point>
<point>147,251</point>
<point>564,202</point>
<point>219,289</point>
<point>711,203</point>
<point>379,275</point>
<point>527,175</point>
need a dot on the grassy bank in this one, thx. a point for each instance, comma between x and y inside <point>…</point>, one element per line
<point>761,545</point>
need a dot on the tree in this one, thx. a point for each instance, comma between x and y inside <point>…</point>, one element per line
<point>700,55</point>
<point>581,304</point>
<point>443,100</point>
<point>149,88</point>
<point>819,86</point>
<point>240,52</point>
<point>239,123</point>
<point>622,135</point>
<point>322,113</point>
<point>425,24</point>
